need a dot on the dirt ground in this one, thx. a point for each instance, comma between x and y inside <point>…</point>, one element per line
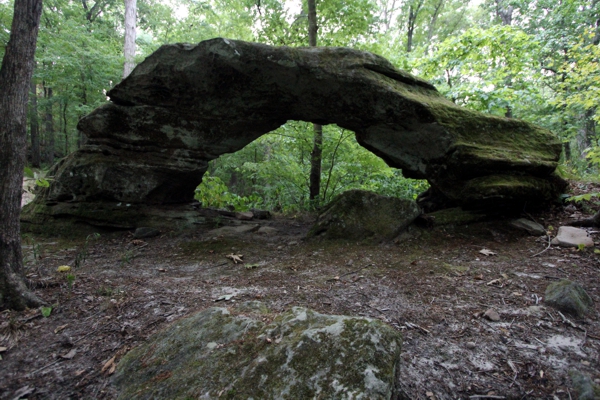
<point>434,286</point>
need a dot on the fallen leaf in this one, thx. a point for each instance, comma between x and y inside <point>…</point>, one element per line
<point>60,328</point>
<point>108,364</point>
<point>69,355</point>
<point>162,270</point>
<point>3,349</point>
<point>251,266</point>
<point>137,242</point>
<point>63,268</point>
<point>237,258</point>
<point>81,371</point>
<point>225,297</point>
<point>487,252</point>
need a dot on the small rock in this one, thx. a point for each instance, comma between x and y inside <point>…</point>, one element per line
<point>144,232</point>
<point>261,214</point>
<point>292,243</point>
<point>569,236</point>
<point>533,228</point>
<point>492,315</point>
<point>234,230</point>
<point>535,311</point>
<point>584,387</point>
<point>266,230</point>
<point>471,345</point>
<point>568,297</point>
<point>244,216</point>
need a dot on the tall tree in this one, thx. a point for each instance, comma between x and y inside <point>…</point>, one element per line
<point>129,48</point>
<point>15,78</point>
<point>317,151</point>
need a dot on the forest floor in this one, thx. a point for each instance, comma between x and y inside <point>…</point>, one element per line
<point>434,286</point>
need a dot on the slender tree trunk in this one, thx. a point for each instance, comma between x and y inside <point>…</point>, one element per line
<point>413,13</point>
<point>36,157</point>
<point>15,80</point>
<point>49,126</point>
<point>65,130</point>
<point>129,48</point>
<point>317,151</point>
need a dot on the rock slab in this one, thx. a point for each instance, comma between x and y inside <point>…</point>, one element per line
<point>569,236</point>
<point>361,215</point>
<point>532,227</point>
<point>301,354</point>
<point>569,297</point>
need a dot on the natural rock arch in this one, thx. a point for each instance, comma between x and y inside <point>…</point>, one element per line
<point>187,104</point>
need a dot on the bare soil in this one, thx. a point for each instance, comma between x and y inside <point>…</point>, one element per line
<point>434,286</point>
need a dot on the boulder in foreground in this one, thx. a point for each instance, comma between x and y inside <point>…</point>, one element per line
<point>300,354</point>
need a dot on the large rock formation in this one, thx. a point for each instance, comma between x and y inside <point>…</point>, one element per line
<point>187,104</point>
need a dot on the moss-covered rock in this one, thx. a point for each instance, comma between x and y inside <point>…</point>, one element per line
<point>361,215</point>
<point>233,354</point>
<point>568,297</point>
<point>585,389</point>
<point>188,104</point>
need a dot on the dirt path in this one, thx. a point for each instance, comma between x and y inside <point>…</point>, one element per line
<point>434,287</point>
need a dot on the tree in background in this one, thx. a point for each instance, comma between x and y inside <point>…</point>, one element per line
<point>317,151</point>
<point>15,79</point>
<point>129,47</point>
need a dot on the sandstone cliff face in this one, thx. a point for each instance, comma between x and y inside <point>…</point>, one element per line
<point>187,104</point>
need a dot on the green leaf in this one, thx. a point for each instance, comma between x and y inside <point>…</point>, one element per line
<point>29,173</point>
<point>46,311</point>
<point>41,182</point>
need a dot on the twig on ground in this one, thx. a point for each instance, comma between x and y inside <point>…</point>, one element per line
<point>546,249</point>
<point>485,396</point>
<point>353,272</point>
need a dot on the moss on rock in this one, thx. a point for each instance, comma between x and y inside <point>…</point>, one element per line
<point>234,354</point>
<point>569,297</point>
<point>361,215</point>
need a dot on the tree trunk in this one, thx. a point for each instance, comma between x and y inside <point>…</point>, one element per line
<point>317,151</point>
<point>129,48</point>
<point>36,157</point>
<point>413,13</point>
<point>15,79</point>
<point>49,125</point>
<point>64,126</point>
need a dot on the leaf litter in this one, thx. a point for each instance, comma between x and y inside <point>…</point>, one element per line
<point>428,287</point>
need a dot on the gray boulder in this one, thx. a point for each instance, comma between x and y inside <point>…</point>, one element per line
<point>362,215</point>
<point>301,354</point>
<point>532,227</point>
<point>187,104</point>
<point>569,297</point>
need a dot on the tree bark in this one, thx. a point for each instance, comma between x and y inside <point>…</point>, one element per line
<point>413,13</point>
<point>15,79</point>
<point>34,127</point>
<point>317,151</point>
<point>129,48</point>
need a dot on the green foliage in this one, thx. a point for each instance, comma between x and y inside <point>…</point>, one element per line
<point>212,192</point>
<point>275,169</point>
<point>46,311</point>
<point>70,280</point>
<point>82,254</point>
